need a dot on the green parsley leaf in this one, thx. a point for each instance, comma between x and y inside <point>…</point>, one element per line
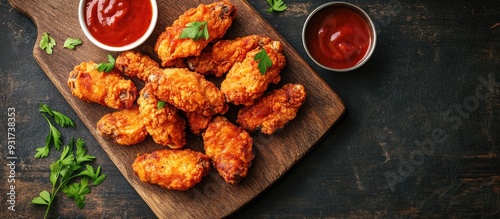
<point>107,66</point>
<point>95,175</point>
<point>70,43</point>
<point>55,171</point>
<point>276,5</point>
<point>77,191</point>
<point>67,157</point>
<point>100,178</point>
<point>56,135</point>
<point>45,109</point>
<point>47,43</point>
<point>264,61</point>
<point>43,198</point>
<point>66,152</point>
<point>63,120</point>
<point>45,150</point>
<point>195,30</point>
<point>59,118</point>
<point>53,138</point>
<point>81,152</point>
<point>161,104</point>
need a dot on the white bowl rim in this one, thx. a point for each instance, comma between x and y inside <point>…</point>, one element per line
<point>138,42</point>
<point>357,9</point>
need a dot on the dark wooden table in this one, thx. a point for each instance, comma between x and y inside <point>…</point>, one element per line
<point>420,137</point>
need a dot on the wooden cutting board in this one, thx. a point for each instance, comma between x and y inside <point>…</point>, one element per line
<point>274,154</point>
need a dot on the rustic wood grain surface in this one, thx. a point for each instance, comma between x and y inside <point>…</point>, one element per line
<point>419,139</point>
<point>274,154</point>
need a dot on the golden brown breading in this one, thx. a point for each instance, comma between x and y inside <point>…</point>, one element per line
<point>188,91</point>
<point>244,83</point>
<point>197,122</point>
<point>134,64</point>
<point>219,58</point>
<point>229,147</point>
<point>273,110</point>
<point>162,122</point>
<point>172,169</point>
<point>125,127</point>
<point>219,17</point>
<point>109,89</point>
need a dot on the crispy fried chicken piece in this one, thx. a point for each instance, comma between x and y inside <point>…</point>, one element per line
<point>273,110</point>
<point>187,90</point>
<point>219,17</point>
<point>197,122</point>
<point>219,58</point>
<point>134,64</point>
<point>172,169</point>
<point>244,83</point>
<point>125,127</point>
<point>109,89</point>
<point>230,149</point>
<point>162,121</point>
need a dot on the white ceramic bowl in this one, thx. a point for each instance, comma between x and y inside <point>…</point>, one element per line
<point>138,42</point>
<point>354,8</point>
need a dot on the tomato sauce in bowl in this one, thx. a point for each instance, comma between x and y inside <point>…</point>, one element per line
<point>339,36</point>
<point>118,25</point>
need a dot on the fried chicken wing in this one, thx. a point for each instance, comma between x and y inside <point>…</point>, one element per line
<point>220,57</point>
<point>230,149</point>
<point>197,122</point>
<point>108,89</point>
<point>134,64</point>
<point>188,91</point>
<point>273,110</point>
<point>125,127</point>
<point>162,121</point>
<point>244,82</point>
<point>172,169</point>
<point>219,17</point>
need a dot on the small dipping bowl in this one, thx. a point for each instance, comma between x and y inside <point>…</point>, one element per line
<point>339,36</point>
<point>125,24</point>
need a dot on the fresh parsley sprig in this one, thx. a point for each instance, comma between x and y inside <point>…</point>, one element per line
<point>107,66</point>
<point>54,137</point>
<point>276,5</point>
<point>66,169</point>
<point>195,30</point>
<point>264,61</point>
<point>59,118</point>
<point>70,43</point>
<point>47,43</point>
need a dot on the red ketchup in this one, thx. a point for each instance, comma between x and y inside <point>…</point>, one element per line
<point>118,22</point>
<point>338,37</point>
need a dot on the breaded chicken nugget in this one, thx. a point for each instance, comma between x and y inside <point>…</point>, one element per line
<point>219,58</point>
<point>134,64</point>
<point>162,120</point>
<point>125,127</point>
<point>188,91</point>
<point>197,122</point>
<point>230,149</point>
<point>109,89</point>
<point>244,82</point>
<point>219,17</point>
<point>273,110</point>
<point>172,169</point>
